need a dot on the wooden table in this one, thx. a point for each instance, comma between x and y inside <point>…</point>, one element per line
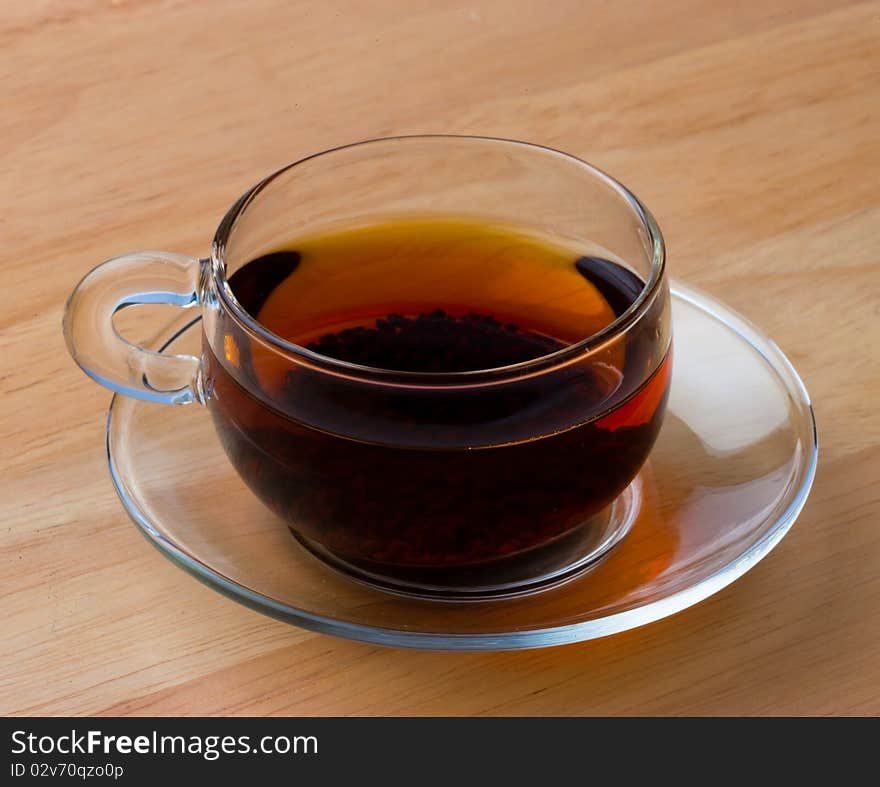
<point>753,131</point>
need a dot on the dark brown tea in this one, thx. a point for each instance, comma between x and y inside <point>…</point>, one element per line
<point>411,477</point>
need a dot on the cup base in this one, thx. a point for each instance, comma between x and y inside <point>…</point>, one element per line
<point>538,569</point>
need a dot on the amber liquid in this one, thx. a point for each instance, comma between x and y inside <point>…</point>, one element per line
<point>437,296</point>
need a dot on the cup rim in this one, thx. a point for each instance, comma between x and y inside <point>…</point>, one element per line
<point>562,357</point>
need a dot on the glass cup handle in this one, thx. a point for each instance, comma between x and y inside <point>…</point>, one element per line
<point>136,278</point>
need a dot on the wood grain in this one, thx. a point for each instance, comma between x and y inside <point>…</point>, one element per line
<point>751,129</point>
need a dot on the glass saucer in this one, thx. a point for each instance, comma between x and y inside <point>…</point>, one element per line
<point>729,474</point>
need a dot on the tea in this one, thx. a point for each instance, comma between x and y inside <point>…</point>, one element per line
<point>444,472</point>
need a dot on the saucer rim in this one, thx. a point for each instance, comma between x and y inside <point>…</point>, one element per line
<point>641,614</point>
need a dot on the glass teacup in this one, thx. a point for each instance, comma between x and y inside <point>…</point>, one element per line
<point>458,483</point>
